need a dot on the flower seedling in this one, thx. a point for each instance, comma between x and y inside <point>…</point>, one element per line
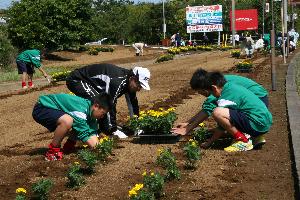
<point>200,134</point>
<point>192,153</point>
<point>42,188</point>
<point>167,160</point>
<point>21,194</point>
<point>74,176</point>
<point>139,193</point>
<point>154,183</point>
<point>104,148</point>
<point>89,158</point>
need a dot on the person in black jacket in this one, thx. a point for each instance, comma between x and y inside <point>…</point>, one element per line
<point>90,80</point>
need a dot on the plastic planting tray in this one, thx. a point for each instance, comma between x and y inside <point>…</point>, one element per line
<point>156,139</point>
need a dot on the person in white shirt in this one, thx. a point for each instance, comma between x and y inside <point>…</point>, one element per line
<point>259,44</point>
<point>139,48</point>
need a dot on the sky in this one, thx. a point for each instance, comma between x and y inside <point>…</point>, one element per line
<point>5,3</point>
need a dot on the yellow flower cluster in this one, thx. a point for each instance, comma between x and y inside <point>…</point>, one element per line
<point>71,93</point>
<point>154,113</point>
<point>174,50</point>
<point>104,139</point>
<point>133,191</point>
<point>194,143</point>
<point>76,163</point>
<point>202,125</point>
<point>60,75</point>
<point>145,173</point>
<point>21,191</point>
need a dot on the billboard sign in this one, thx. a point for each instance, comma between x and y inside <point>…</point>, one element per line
<point>204,18</point>
<point>245,20</point>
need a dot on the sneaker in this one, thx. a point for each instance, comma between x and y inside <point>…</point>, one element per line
<point>31,86</point>
<point>120,134</point>
<point>53,153</point>
<point>258,141</point>
<point>239,146</point>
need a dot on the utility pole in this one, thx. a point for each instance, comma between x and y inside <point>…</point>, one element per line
<point>264,3</point>
<point>164,20</point>
<point>273,69</point>
<point>233,22</point>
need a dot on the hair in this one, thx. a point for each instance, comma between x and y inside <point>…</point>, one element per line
<point>104,100</point>
<point>215,78</point>
<point>198,80</point>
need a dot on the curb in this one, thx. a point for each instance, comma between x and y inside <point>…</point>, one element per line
<point>293,109</point>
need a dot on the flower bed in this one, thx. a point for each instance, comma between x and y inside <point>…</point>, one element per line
<point>60,76</point>
<point>235,53</point>
<point>244,66</point>
<point>165,57</point>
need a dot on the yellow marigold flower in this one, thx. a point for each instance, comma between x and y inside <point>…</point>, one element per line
<point>138,186</point>
<point>194,144</point>
<point>85,146</point>
<point>159,151</point>
<point>202,124</point>
<point>142,112</point>
<point>132,193</point>
<point>152,174</point>
<point>76,163</point>
<point>21,191</point>
<point>171,109</point>
<point>135,116</point>
<point>191,140</point>
<point>141,118</point>
<point>144,173</point>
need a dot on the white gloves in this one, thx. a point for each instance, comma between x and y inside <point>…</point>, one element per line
<point>120,134</point>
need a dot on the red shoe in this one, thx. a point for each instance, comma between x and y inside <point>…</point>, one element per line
<point>53,153</point>
<point>69,146</point>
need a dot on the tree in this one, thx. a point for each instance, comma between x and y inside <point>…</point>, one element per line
<point>50,23</point>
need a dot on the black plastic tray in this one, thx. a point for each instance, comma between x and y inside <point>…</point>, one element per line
<point>157,139</point>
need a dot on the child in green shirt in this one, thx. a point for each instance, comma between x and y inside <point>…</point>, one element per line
<point>63,112</point>
<point>198,81</point>
<point>26,62</point>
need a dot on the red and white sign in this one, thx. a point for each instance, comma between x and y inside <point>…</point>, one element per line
<point>245,20</point>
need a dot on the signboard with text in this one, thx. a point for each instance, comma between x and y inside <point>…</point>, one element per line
<point>204,18</point>
<point>245,20</point>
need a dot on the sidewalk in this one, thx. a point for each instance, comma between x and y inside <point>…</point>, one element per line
<point>293,108</point>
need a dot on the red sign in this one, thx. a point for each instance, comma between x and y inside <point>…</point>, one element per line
<point>245,20</point>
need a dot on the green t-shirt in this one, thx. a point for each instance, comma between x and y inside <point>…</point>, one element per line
<point>30,57</point>
<point>78,108</point>
<point>210,103</point>
<point>239,98</point>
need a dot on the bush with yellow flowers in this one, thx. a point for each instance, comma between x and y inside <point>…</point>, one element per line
<point>200,133</point>
<point>138,192</point>
<point>235,53</point>
<point>154,183</point>
<point>192,153</point>
<point>244,65</point>
<point>173,50</point>
<point>164,57</point>
<point>21,194</point>
<point>167,160</point>
<point>154,122</point>
<point>60,76</point>
<point>74,175</point>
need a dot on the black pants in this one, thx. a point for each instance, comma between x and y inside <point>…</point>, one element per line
<point>84,90</point>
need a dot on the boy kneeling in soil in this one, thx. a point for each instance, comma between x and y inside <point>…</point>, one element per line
<point>197,82</point>
<point>237,111</point>
<point>62,112</point>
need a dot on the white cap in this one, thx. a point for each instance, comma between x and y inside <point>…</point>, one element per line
<point>144,76</point>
